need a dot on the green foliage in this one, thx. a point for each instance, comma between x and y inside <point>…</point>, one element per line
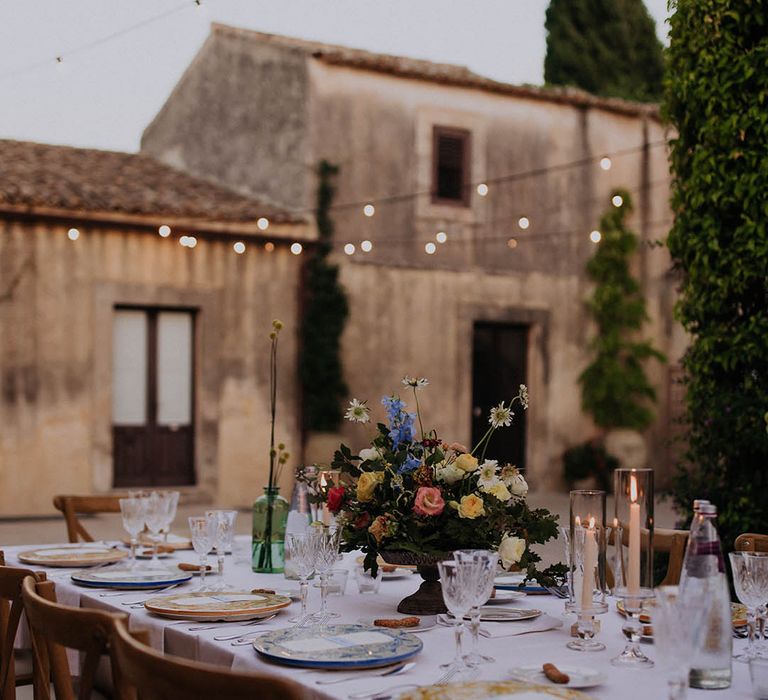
<point>614,388</point>
<point>589,459</point>
<point>717,102</point>
<point>607,47</point>
<point>325,314</point>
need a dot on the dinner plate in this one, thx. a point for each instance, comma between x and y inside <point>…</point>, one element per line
<point>176,542</point>
<point>499,614</point>
<point>503,597</point>
<point>511,582</point>
<point>139,578</point>
<point>72,556</point>
<point>484,690</point>
<point>218,605</point>
<point>147,554</point>
<point>426,622</point>
<point>579,676</point>
<point>337,646</point>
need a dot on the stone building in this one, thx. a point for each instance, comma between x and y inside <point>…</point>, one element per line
<point>127,359</point>
<point>513,176</point>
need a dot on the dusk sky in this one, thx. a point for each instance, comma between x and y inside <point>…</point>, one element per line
<point>104,95</point>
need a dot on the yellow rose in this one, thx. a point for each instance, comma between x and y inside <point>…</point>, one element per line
<point>500,491</point>
<point>466,462</point>
<point>367,483</point>
<point>471,506</point>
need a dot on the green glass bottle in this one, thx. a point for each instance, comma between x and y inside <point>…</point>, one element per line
<point>269,540</point>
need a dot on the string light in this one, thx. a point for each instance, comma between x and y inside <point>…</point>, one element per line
<point>617,200</point>
<point>263,223</point>
<point>605,163</point>
<point>164,231</point>
<point>512,243</point>
<point>482,189</point>
<point>296,248</point>
<point>239,247</point>
<point>192,241</point>
<point>366,246</point>
<point>595,236</point>
<point>430,248</point>
<point>349,249</point>
<point>523,222</point>
<point>441,236</point>
<point>269,247</point>
<point>369,210</point>
<point>73,234</point>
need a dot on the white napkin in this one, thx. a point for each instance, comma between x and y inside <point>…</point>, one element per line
<point>513,629</point>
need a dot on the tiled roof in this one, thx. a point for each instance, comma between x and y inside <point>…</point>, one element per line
<point>444,73</point>
<point>39,176</point>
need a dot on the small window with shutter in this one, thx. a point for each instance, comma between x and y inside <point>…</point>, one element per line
<point>451,176</point>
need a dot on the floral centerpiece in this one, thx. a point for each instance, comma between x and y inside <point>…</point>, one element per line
<point>412,492</point>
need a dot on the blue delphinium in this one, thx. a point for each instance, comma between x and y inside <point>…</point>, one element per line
<point>400,421</point>
<point>410,464</point>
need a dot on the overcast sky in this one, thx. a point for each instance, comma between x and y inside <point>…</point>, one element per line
<point>104,96</point>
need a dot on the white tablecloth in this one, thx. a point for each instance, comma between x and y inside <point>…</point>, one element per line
<point>535,648</point>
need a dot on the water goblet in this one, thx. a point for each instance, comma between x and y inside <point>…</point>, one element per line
<point>132,511</point>
<point>456,579</point>
<point>201,529</point>
<point>170,502</point>
<point>327,555</point>
<point>303,551</point>
<point>154,516</point>
<point>679,627</point>
<point>486,563</point>
<point>224,531</point>
<point>750,580</point>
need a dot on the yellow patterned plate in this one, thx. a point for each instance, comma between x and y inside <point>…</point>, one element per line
<point>738,613</point>
<point>482,690</point>
<point>217,605</point>
<point>72,556</point>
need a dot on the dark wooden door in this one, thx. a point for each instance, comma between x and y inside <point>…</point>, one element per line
<point>153,397</point>
<point>498,369</point>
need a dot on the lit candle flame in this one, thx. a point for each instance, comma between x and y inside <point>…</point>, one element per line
<point>591,523</point>
<point>633,489</point>
<point>578,521</point>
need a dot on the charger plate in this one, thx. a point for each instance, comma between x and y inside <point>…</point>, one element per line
<point>218,605</point>
<point>337,646</point>
<point>138,579</point>
<point>481,690</point>
<point>72,556</point>
<point>511,582</point>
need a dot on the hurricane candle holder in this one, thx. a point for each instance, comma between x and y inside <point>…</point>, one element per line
<point>586,566</point>
<point>633,491</point>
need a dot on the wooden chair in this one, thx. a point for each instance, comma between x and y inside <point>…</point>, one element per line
<point>72,506</point>
<point>671,542</point>
<point>751,542</point>
<point>56,628</point>
<point>159,677</point>
<point>11,607</point>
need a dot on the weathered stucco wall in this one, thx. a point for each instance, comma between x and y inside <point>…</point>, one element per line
<point>56,355</point>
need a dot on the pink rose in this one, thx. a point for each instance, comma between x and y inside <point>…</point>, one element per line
<point>429,501</point>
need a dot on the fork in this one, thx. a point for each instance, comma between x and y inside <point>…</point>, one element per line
<point>241,636</point>
<point>140,603</point>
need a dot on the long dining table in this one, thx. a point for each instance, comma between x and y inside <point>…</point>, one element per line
<point>509,643</point>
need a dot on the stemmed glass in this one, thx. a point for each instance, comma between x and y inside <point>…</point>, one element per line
<point>679,627</point>
<point>485,564</point>
<point>224,531</point>
<point>170,501</point>
<point>458,593</point>
<point>132,510</point>
<point>202,530</point>
<point>154,517</point>
<point>327,554</point>
<point>750,579</point>
<point>303,549</point>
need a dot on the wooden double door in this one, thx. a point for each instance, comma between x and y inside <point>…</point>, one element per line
<point>153,397</point>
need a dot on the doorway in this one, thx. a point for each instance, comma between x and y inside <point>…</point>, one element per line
<point>153,397</point>
<point>499,355</point>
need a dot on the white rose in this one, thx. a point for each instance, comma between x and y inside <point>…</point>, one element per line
<point>518,486</point>
<point>511,550</point>
<point>370,454</point>
<point>450,474</point>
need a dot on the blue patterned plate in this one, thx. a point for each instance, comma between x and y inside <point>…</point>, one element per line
<point>147,578</point>
<point>511,582</point>
<point>337,646</point>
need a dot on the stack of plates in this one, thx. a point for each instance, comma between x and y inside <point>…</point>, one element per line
<point>133,579</point>
<point>228,606</point>
<point>72,556</point>
<point>512,581</point>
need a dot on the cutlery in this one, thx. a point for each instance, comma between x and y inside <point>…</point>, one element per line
<point>230,625</point>
<point>394,671</point>
<point>381,694</point>
<point>240,636</point>
<point>558,591</point>
<point>246,639</point>
<point>140,603</point>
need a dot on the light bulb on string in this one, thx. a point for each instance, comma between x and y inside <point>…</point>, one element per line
<point>164,231</point>
<point>369,210</point>
<point>523,222</point>
<point>192,241</point>
<point>349,249</point>
<point>605,163</point>
<point>617,200</point>
<point>441,236</point>
<point>512,243</point>
<point>263,223</point>
<point>296,248</point>
<point>430,248</point>
<point>595,236</point>
<point>366,246</point>
<point>482,189</point>
<point>269,247</point>
<point>73,234</point>
<point>239,247</point>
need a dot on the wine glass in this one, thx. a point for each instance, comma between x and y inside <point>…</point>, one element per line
<point>154,516</point>
<point>456,578</point>
<point>679,627</point>
<point>170,500</point>
<point>202,530</point>
<point>485,563</point>
<point>750,579</point>
<point>303,548</point>
<point>327,554</point>
<point>224,531</point>
<point>132,511</point>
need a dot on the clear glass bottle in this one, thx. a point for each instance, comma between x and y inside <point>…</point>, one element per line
<point>695,523</point>
<point>704,572</point>
<point>299,519</point>
<point>268,543</point>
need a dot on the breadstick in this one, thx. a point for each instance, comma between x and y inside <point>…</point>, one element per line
<point>555,674</point>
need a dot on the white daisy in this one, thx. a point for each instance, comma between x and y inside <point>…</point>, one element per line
<point>523,396</point>
<point>414,383</point>
<point>501,416</point>
<point>357,412</point>
<point>487,476</point>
